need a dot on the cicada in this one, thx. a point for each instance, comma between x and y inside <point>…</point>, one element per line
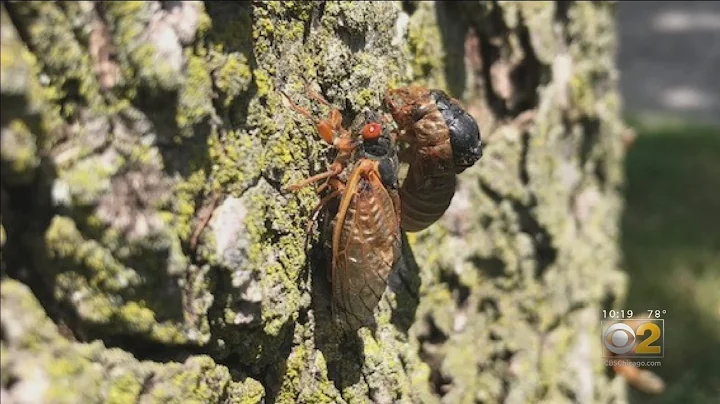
<point>443,140</point>
<point>365,239</point>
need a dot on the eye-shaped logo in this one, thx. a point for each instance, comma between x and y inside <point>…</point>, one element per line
<point>619,338</point>
<point>639,338</point>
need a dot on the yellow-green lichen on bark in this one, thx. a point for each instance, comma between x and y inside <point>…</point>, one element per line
<point>68,71</point>
<point>49,368</point>
<point>106,173</point>
<point>143,62</point>
<point>22,102</point>
<point>19,150</point>
<point>531,260</point>
<point>195,101</point>
<point>425,44</point>
<point>194,132</point>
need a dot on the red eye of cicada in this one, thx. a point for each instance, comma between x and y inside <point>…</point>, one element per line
<point>371,131</point>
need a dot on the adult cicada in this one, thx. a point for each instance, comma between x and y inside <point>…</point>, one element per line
<point>365,230</point>
<point>443,140</point>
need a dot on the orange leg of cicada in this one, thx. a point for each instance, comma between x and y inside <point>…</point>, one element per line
<point>327,128</point>
<point>330,130</point>
<point>317,97</point>
<point>335,169</point>
<point>338,189</point>
<point>298,108</point>
<point>334,119</point>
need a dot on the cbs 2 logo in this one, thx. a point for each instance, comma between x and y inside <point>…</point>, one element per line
<point>624,339</point>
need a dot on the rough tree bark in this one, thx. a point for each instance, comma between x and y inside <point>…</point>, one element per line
<point>125,124</point>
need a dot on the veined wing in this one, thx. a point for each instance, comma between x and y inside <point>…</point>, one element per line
<point>366,245</point>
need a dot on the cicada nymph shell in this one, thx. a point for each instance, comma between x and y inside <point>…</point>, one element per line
<point>444,140</point>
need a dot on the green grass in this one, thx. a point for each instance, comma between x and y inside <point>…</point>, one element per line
<point>671,244</point>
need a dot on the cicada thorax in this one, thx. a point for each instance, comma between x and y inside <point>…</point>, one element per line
<point>444,140</point>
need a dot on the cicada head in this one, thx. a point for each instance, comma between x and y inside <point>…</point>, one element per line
<point>378,144</point>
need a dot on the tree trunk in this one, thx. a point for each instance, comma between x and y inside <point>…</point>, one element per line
<point>150,253</point>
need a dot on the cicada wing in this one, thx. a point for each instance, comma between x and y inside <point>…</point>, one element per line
<point>368,246</point>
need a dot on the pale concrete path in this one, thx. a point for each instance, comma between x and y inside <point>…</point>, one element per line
<point>670,58</point>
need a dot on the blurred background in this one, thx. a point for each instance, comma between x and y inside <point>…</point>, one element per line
<point>670,74</point>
